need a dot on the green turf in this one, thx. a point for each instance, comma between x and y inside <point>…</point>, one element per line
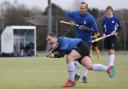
<point>45,73</point>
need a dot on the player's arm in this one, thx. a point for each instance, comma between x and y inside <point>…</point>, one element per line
<point>103,27</point>
<point>117,27</point>
<point>94,25</point>
<point>55,53</point>
<point>70,17</point>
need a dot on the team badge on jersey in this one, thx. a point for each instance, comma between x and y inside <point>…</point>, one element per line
<point>85,22</point>
<point>113,21</point>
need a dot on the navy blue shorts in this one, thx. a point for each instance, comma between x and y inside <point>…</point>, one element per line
<point>110,42</point>
<point>83,49</point>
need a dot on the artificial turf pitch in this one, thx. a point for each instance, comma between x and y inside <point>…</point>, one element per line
<point>44,73</point>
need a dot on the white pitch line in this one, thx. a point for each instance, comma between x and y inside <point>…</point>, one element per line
<point>29,71</point>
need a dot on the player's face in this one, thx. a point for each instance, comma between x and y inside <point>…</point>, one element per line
<point>51,40</point>
<point>109,12</point>
<point>83,9</point>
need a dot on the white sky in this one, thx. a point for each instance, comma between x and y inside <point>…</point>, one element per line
<point>66,4</point>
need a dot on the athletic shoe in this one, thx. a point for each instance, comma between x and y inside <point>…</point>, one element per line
<point>70,83</point>
<point>111,71</point>
<point>77,77</point>
<point>84,79</point>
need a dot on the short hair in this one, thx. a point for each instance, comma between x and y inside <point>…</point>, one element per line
<point>85,4</point>
<point>52,34</point>
<point>109,7</point>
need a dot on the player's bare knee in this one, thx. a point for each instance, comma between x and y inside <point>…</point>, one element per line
<point>70,58</point>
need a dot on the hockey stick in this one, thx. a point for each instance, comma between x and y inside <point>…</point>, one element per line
<point>81,27</point>
<point>103,37</point>
<point>50,53</point>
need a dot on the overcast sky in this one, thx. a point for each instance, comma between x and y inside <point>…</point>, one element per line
<point>66,4</point>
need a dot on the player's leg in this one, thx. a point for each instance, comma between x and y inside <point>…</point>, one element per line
<point>77,74</point>
<point>88,64</point>
<point>85,74</point>
<point>91,52</point>
<point>75,54</point>
<point>111,51</point>
<point>95,44</point>
<point>77,68</point>
<point>83,50</point>
<point>71,67</point>
<point>111,57</point>
<point>98,67</point>
<point>98,52</point>
<point>85,70</point>
<point>85,61</point>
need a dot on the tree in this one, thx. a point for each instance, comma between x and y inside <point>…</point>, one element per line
<point>94,12</point>
<point>57,15</point>
<point>17,14</point>
<point>56,11</point>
